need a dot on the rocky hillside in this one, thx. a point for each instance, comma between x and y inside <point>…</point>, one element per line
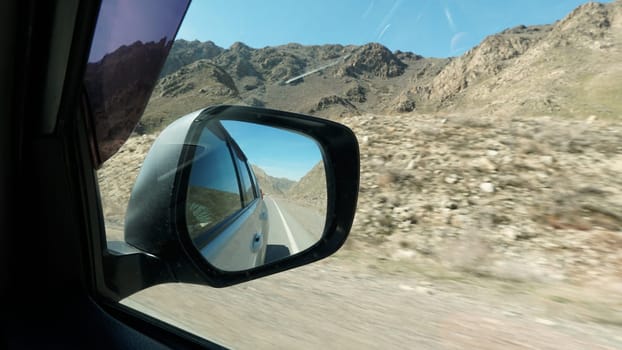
<point>495,54</point>
<point>570,68</point>
<point>276,186</point>
<point>310,190</point>
<point>344,80</point>
<point>517,198</point>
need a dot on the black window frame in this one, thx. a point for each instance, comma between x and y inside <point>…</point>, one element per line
<point>254,181</point>
<point>239,159</point>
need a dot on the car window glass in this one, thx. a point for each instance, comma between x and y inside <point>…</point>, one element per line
<point>131,42</point>
<point>490,146</point>
<point>214,192</point>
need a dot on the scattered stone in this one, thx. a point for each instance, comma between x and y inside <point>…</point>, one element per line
<point>424,290</point>
<point>451,205</point>
<point>487,187</point>
<point>545,322</point>
<point>512,313</point>
<point>491,153</point>
<point>547,160</point>
<point>484,164</point>
<point>406,287</point>
<point>404,103</point>
<point>404,254</point>
<point>451,179</point>
<point>511,233</point>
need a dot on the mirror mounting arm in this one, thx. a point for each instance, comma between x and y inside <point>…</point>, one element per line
<point>129,270</point>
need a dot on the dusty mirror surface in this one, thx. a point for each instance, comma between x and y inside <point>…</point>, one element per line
<point>256,194</point>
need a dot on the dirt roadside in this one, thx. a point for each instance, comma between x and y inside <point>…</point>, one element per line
<point>355,302</point>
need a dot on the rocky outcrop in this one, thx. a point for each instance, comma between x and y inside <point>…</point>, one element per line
<point>202,76</point>
<point>185,52</point>
<point>278,65</point>
<point>404,103</point>
<point>587,23</point>
<point>372,60</point>
<point>328,101</point>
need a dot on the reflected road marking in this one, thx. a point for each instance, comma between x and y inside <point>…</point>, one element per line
<point>292,242</point>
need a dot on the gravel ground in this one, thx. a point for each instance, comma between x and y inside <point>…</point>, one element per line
<point>357,302</point>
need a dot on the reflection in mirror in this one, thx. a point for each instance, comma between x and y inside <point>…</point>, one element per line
<point>256,194</point>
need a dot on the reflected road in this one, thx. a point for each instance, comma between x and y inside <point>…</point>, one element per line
<point>292,225</point>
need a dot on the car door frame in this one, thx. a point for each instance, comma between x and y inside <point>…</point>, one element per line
<point>53,287</point>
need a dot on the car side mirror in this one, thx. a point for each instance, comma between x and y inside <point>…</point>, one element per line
<point>227,218</point>
<point>228,194</point>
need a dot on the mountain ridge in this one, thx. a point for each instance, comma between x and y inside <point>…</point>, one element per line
<point>495,77</point>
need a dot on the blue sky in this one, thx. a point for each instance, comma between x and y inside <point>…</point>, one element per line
<point>432,28</point>
<point>278,152</point>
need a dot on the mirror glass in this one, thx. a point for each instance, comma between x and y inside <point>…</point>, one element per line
<point>256,194</point>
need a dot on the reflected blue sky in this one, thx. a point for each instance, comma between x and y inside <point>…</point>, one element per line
<point>278,152</point>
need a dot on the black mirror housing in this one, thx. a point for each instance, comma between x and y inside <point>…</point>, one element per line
<point>155,226</point>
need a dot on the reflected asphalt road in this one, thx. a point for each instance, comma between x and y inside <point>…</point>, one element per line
<point>292,225</point>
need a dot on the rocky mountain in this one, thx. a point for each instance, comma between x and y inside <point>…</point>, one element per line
<point>568,68</point>
<point>327,80</point>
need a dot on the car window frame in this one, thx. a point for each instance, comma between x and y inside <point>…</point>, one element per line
<point>243,176</point>
<point>253,179</point>
<point>66,261</point>
<point>256,187</point>
<point>240,160</point>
